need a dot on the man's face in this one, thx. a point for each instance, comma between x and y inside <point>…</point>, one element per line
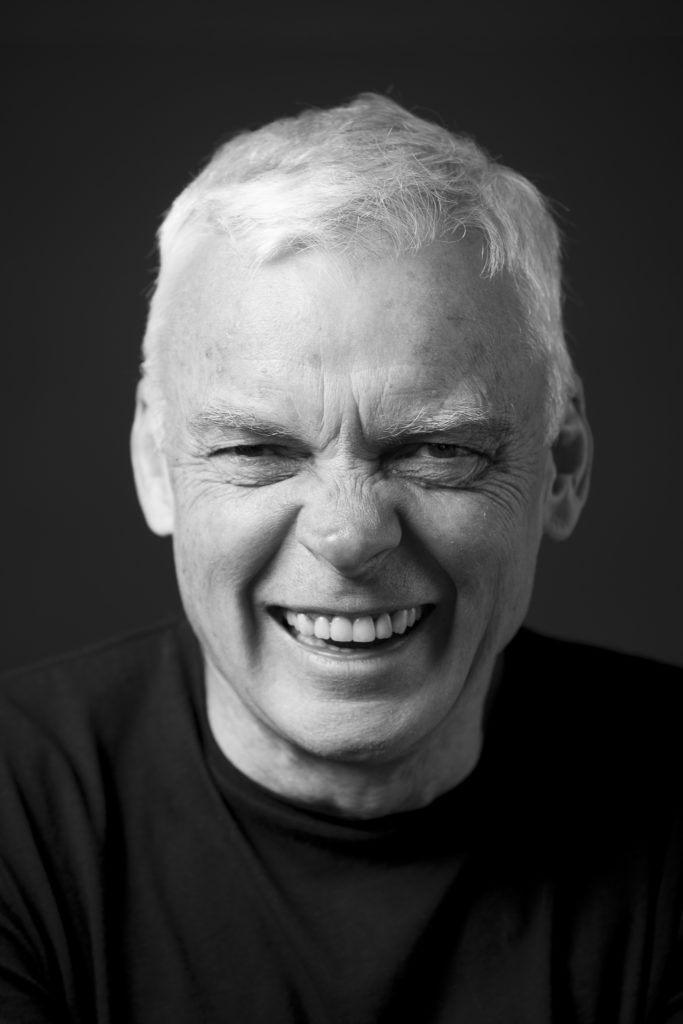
<point>351,447</point>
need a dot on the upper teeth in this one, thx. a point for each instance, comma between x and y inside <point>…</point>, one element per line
<point>362,630</point>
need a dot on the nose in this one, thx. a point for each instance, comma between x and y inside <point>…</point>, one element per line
<point>350,524</point>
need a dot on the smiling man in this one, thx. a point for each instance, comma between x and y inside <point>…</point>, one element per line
<point>356,472</point>
<point>349,788</point>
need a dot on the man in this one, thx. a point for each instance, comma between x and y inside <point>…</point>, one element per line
<point>351,789</point>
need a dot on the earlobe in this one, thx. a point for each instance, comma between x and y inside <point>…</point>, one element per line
<point>150,468</point>
<point>572,456</point>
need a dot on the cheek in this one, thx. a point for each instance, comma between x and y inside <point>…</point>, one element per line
<point>485,547</point>
<point>225,538</point>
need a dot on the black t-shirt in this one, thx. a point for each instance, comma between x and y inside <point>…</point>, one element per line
<point>143,879</point>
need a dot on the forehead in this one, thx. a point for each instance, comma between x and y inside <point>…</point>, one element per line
<point>414,332</point>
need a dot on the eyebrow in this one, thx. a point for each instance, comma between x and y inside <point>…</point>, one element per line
<point>475,421</point>
<point>216,419</point>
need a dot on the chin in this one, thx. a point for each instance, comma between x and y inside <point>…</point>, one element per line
<point>361,734</point>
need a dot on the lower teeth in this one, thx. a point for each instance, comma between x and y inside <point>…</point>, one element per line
<point>338,645</point>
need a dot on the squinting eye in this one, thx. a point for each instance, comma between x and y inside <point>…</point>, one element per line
<point>252,451</point>
<point>439,464</point>
<point>248,450</point>
<point>437,450</point>
<point>253,465</point>
<point>446,451</point>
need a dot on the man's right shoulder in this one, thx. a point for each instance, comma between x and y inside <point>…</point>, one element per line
<point>126,656</point>
<point>89,742</point>
<point>92,696</point>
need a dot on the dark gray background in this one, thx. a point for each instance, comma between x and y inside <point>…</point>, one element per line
<point>111,114</point>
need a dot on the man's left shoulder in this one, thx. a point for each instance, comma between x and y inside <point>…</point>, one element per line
<point>625,682</point>
<point>601,713</point>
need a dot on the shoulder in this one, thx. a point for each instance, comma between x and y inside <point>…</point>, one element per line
<point>603,690</point>
<point>67,722</point>
<point>569,655</point>
<point>88,744</point>
<point>592,728</point>
<point>89,682</point>
<point>594,683</point>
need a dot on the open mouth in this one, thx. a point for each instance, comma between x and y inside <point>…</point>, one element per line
<point>346,633</point>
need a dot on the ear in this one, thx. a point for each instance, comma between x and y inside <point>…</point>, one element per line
<point>571,459</point>
<point>150,469</point>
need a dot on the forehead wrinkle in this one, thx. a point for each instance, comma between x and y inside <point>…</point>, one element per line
<point>396,413</point>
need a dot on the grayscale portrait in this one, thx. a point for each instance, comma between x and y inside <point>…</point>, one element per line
<point>352,771</point>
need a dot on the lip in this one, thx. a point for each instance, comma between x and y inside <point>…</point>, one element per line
<point>374,611</point>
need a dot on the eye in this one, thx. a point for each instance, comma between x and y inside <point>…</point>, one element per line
<point>440,463</point>
<point>248,451</point>
<point>446,451</point>
<point>436,450</point>
<point>251,451</point>
<point>254,465</point>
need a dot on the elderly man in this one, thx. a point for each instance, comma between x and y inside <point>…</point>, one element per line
<point>349,789</point>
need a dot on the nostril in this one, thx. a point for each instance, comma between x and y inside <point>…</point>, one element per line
<point>351,550</point>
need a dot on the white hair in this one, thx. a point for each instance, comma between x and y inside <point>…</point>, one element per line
<point>372,178</point>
